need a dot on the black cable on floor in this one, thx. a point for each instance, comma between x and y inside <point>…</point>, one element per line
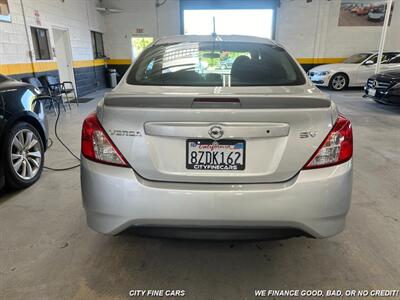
<point>62,143</point>
<point>58,138</point>
<point>62,169</point>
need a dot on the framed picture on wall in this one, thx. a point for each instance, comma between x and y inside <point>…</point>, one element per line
<point>363,13</point>
<point>4,11</point>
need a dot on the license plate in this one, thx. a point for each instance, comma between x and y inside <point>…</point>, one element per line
<point>210,155</point>
<point>372,92</point>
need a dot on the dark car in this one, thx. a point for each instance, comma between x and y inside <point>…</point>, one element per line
<point>384,87</point>
<point>23,134</point>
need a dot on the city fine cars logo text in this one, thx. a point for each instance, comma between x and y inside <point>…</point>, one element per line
<point>157,293</point>
<point>328,293</point>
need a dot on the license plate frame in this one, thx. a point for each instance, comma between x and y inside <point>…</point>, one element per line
<point>219,167</point>
<point>371,92</point>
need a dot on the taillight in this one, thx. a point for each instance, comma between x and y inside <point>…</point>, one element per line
<point>97,145</point>
<point>337,147</point>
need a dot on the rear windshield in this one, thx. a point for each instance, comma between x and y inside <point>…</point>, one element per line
<point>215,64</point>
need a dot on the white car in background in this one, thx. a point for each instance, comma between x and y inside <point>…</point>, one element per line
<point>354,71</point>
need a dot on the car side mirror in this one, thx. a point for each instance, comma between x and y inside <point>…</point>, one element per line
<point>369,63</point>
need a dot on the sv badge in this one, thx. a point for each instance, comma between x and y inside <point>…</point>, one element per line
<point>308,134</point>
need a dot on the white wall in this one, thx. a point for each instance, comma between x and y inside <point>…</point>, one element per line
<point>296,26</point>
<point>311,30</point>
<point>78,16</point>
<point>348,40</point>
<point>307,29</point>
<point>138,14</point>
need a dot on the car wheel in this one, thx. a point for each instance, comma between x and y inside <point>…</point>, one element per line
<point>24,157</point>
<point>339,82</point>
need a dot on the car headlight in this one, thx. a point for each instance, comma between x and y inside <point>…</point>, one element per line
<point>324,73</point>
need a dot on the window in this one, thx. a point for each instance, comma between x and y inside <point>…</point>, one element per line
<point>357,58</point>
<point>216,64</point>
<point>250,17</point>
<point>395,60</point>
<point>139,44</point>
<point>97,42</point>
<point>4,11</point>
<point>40,38</point>
<point>255,22</point>
<point>389,58</point>
<point>385,57</point>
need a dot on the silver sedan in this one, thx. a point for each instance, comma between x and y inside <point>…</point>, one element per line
<point>256,148</point>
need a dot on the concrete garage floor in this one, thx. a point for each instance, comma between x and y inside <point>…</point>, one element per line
<point>48,252</point>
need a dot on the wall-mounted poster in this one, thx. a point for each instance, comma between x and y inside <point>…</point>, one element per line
<point>363,13</point>
<point>4,11</point>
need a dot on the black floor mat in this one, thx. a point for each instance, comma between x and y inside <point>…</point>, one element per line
<point>82,100</point>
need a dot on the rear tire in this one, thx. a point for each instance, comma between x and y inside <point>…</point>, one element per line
<point>339,82</point>
<point>24,157</point>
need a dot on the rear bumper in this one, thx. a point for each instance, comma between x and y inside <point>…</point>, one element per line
<point>315,201</point>
<point>219,233</point>
<point>386,97</point>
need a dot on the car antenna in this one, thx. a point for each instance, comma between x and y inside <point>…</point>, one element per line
<point>214,34</point>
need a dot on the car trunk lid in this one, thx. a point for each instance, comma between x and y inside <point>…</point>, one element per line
<point>278,127</point>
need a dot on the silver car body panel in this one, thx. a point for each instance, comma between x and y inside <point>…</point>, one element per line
<point>271,157</point>
<point>282,127</point>
<point>315,201</point>
<point>231,130</point>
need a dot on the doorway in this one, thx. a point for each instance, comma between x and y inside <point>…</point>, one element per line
<point>63,54</point>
